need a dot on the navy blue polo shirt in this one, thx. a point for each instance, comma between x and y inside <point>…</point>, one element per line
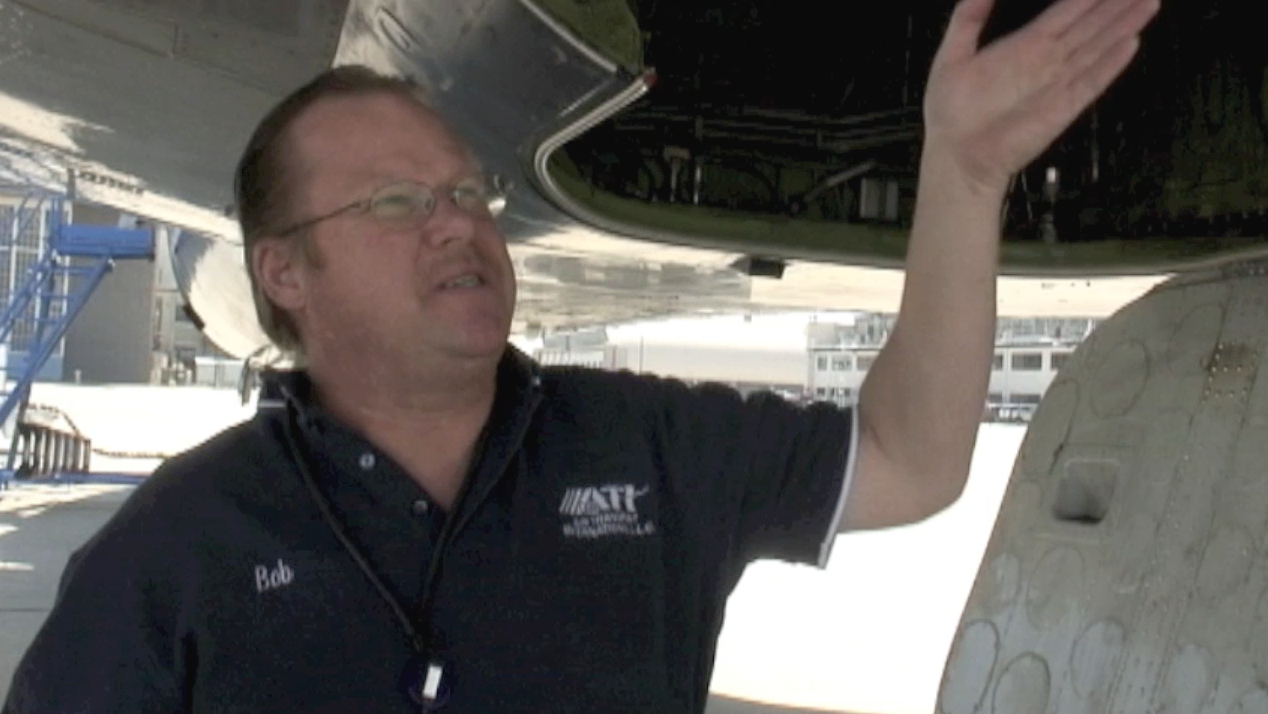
<point>608,516</point>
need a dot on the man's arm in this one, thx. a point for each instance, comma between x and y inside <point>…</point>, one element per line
<point>921,403</point>
<point>988,113</point>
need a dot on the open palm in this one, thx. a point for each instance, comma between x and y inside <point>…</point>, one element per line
<point>995,109</point>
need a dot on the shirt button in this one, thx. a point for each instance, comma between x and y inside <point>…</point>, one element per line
<point>367,461</point>
<point>421,507</point>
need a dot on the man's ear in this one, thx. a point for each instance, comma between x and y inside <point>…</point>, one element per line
<point>279,269</point>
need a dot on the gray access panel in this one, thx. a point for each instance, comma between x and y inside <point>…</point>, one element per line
<point>1126,573</point>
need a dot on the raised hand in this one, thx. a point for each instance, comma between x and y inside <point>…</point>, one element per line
<point>992,110</point>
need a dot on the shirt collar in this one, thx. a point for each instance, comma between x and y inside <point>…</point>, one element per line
<point>518,375</point>
<point>339,449</point>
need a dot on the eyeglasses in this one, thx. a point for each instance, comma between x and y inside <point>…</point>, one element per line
<point>406,203</point>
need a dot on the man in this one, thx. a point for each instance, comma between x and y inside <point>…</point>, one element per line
<point>421,517</point>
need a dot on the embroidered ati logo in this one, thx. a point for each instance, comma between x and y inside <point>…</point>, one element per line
<point>594,500</point>
<point>601,511</point>
<point>267,578</point>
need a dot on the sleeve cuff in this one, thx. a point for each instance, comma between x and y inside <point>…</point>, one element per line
<point>834,526</point>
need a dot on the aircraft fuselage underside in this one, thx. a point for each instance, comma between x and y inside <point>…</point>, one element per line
<point>1123,573</point>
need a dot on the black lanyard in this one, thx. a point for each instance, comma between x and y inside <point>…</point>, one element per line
<point>424,680</point>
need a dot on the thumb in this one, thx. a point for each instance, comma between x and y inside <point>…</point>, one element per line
<point>964,31</point>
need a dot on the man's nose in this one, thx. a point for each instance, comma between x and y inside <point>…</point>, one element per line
<point>448,223</point>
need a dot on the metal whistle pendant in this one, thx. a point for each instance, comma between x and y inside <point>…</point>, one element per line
<point>426,684</point>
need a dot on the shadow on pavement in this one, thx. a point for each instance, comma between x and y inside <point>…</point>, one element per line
<point>39,528</point>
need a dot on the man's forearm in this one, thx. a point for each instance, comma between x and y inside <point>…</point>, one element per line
<point>922,400</point>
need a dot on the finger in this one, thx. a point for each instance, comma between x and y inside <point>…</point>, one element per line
<point>1062,14</point>
<point>1085,87</point>
<point>965,30</point>
<point>1108,23</point>
<point>1127,24</point>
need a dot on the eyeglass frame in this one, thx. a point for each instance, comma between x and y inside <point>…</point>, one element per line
<point>500,188</point>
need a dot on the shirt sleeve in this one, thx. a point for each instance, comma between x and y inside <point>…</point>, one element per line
<point>107,643</point>
<point>777,473</point>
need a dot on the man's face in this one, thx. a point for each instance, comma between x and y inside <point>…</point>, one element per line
<point>387,285</point>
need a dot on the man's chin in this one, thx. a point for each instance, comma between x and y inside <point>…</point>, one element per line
<point>484,342</point>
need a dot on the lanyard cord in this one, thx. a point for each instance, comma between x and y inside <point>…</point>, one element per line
<point>418,642</point>
<point>301,462</point>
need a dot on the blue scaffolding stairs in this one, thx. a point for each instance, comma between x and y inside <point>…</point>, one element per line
<point>79,256</point>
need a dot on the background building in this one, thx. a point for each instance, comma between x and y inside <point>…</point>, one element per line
<point>808,356</point>
<point>1029,352</point>
<point>110,340</point>
<point>133,328</point>
<point>749,352</point>
<point>583,348</point>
